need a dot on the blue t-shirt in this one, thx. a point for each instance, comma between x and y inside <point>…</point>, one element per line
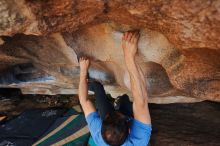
<point>139,132</point>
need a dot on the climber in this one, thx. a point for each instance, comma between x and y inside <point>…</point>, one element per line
<point>121,123</point>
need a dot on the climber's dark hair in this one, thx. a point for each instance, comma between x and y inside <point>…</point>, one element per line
<point>115,129</point>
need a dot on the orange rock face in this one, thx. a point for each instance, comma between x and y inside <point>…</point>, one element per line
<point>179,49</point>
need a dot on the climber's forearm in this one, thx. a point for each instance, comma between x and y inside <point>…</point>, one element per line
<point>139,92</point>
<point>83,90</point>
<point>138,85</point>
<point>86,104</point>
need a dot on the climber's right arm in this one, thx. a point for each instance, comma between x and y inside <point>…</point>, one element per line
<point>86,104</point>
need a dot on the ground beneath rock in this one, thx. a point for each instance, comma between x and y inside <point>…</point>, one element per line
<point>188,124</point>
<point>16,104</point>
<point>195,124</point>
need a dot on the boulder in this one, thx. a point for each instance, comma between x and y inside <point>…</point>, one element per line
<point>178,49</point>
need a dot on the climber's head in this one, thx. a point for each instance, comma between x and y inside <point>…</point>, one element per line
<point>115,129</point>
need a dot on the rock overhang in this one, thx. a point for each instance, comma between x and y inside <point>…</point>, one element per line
<point>178,50</point>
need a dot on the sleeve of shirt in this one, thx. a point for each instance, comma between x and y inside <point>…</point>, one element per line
<point>140,133</point>
<point>94,123</point>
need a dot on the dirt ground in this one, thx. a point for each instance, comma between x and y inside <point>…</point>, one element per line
<point>188,124</point>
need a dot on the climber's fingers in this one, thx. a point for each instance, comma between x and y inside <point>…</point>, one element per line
<point>124,36</point>
<point>129,37</point>
<point>83,58</point>
<point>133,37</point>
<point>125,39</point>
<point>136,37</point>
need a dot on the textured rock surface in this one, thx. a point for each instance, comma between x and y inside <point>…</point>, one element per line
<point>187,24</point>
<point>179,49</point>
<point>16,17</point>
